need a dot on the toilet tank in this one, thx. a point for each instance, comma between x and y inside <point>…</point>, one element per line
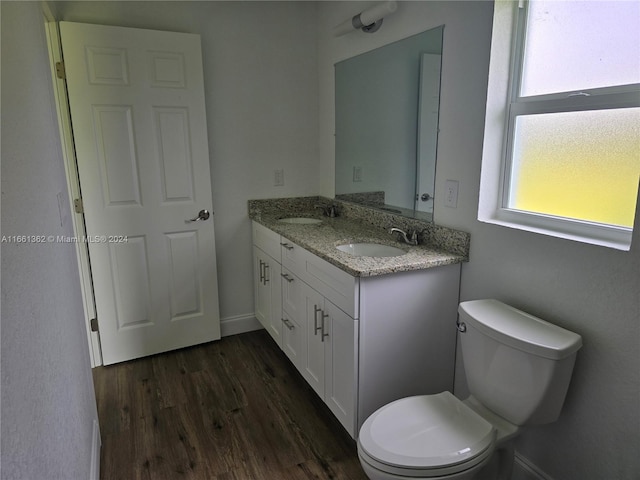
<point>517,365</point>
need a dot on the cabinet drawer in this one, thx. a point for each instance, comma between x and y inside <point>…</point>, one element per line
<point>266,240</point>
<point>336,285</point>
<point>292,294</point>
<point>293,256</point>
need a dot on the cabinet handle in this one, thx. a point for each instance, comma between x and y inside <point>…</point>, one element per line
<point>262,272</point>
<point>286,277</point>
<point>316,328</point>
<point>323,334</point>
<point>266,271</point>
<point>288,246</point>
<point>288,324</point>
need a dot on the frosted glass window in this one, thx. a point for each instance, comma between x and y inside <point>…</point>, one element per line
<point>580,45</point>
<point>583,165</point>
<point>567,158</point>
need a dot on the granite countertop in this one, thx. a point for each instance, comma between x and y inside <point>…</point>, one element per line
<point>322,239</point>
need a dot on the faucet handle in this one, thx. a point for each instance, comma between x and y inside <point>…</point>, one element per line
<point>328,210</point>
<point>403,235</point>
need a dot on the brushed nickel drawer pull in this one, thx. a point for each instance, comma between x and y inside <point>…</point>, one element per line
<point>316,328</point>
<point>288,324</point>
<point>287,277</point>
<point>324,315</point>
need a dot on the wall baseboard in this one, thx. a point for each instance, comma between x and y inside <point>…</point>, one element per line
<point>239,324</point>
<point>523,469</point>
<point>96,444</point>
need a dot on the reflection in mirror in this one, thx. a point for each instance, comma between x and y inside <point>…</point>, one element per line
<point>387,104</point>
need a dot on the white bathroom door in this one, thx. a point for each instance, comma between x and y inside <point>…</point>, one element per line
<point>428,113</point>
<point>137,110</point>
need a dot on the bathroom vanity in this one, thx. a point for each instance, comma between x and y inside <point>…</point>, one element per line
<point>362,331</point>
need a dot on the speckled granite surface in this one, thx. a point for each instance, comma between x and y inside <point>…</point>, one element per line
<point>356,224</point>
<point>366,198</point>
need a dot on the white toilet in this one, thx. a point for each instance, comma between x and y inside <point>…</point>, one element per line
<point>518,369</point>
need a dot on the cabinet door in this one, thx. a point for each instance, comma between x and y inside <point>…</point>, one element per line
<point>262,296</point>
<point>273,283</point>
<point>268,294</point>
<point>292,295</point>
<point>341,353</point>
<point>293,340</point>
<point>313,349</point>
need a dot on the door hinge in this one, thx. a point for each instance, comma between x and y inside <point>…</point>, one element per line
<point>94,324</point>
<point>60,73</point>
<point>77,205</point>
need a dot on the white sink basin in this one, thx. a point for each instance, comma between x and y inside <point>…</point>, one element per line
<point>301,220</point>
<point>370,250</point>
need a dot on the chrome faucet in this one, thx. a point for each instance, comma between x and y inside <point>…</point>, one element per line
<point>328,210</point>
<point>403,235</point>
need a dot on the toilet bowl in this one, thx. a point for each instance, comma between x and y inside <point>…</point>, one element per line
<point>518,370</point>
<point>429,437</point>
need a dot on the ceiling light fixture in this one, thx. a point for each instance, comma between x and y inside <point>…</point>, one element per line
<point>368,20</point>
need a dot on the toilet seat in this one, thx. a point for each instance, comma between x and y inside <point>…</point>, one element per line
<point>425,436</point>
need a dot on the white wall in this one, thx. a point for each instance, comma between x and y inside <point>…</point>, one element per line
<point>48,403</point>
<point>591,290</point>
<point>261,101</point>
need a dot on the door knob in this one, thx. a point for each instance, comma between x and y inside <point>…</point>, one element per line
<point>202,215</point>
<point>425,197</point>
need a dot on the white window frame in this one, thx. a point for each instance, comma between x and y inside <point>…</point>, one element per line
<point>503,106</point>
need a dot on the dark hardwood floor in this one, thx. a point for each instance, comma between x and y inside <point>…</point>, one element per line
<point>232,409</point>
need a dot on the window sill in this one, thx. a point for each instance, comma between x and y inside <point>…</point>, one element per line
<point>618,238</point>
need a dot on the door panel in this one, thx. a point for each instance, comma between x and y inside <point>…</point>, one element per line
<point>262,294</point>
<point>172,131</point>
<point>292,340</point>
<point>116,151</point>
<point>274,285</point>
<point>428,113</point>
<point>185,292</point>
<point>341,362</point>
<point>313,368</point>
<point>130,275</point>
<point>292,295</point>
<point>137,108</point>
<point>268,293</point>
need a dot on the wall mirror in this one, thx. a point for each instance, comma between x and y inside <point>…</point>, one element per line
<point>387,105</point>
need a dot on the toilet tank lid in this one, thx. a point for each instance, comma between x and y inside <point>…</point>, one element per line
<point>519,329</point>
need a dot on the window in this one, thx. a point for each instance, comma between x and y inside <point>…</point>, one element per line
<point>562,133</point>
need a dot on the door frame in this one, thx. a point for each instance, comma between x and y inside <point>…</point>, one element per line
<point>63,114</point>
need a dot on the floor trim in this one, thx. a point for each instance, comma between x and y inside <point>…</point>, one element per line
<point>525,470</point>
<point>239,324</point>
<point>96,443</point>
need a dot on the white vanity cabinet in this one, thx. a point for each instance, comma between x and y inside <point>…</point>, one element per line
<point>327,313</point>
<point>319,338</point>
<point>278,294</point>
<point>360,342</point>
